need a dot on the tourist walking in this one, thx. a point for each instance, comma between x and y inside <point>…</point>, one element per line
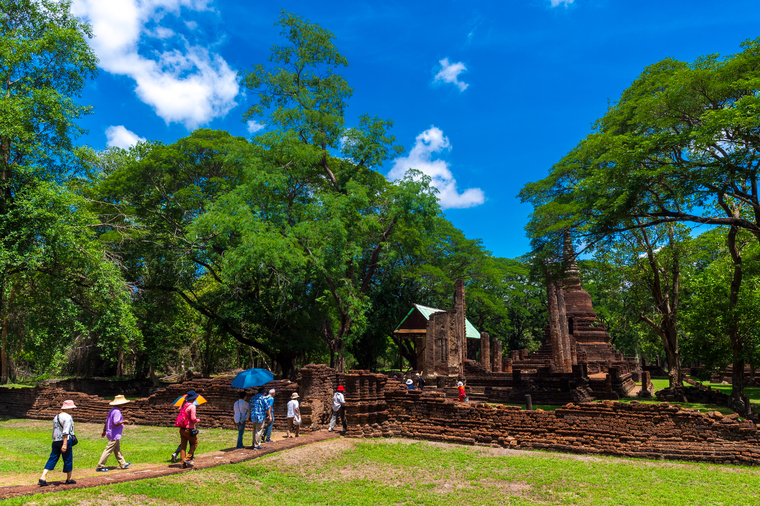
<point>267,437</point>
<point>63,443</point>
<point>241,417</point>
<point>112,430</point>
<point>259,408</point>
<point>420,382</point>
<point>186,421</point>
<point>460,387</point>
<point>294,415</point>
<point>339,409</point>
<point>410,384</point>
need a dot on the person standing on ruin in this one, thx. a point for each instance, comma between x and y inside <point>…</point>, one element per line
<point>294,415</point>
<point>259,408</point>
<point>268,430</point>
<point>112,430</point>
<point>420,382</point>
<point>63,442</point>
<point>462,395</point>
<point>339,409</point>
<point>241,417</point>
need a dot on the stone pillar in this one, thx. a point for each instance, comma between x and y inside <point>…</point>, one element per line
<point>515,355</point>
<point>558,356</point>
<point>645,385</point>
<point>523,354</point>
<point>460,311</point>
<point>496,354</point>
<point>564,334</point>
<point>432,345</point>
<point>485,351</point>
<point>507,365</point>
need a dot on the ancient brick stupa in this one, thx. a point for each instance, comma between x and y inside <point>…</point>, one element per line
<point>590,335</point>
<point>586,331</point>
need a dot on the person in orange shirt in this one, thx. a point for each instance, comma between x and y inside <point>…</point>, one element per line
<point>462,395</point>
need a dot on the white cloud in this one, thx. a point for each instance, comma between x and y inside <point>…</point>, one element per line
<point>449,73</point>
<point>120,137</point>
<point>429,142</point>
<point>555,3</point>
<point>254,126</point>
<point>185,83</point>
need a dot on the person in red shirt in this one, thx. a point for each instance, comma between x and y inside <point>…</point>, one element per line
<point>188,433</point>
<point>462,395</point>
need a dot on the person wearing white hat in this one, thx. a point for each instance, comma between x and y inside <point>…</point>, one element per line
<point>112,430</point>
<point>63,441</point>
<point>294,415</point>
<point>462,395</point>
<point>410,384</point>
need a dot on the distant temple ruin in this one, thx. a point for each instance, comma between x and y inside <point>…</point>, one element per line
<point>575,363</point>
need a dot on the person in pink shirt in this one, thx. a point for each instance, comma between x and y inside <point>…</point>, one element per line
<point>187,431</point>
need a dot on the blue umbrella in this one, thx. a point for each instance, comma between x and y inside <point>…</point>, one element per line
<point>252,378</point>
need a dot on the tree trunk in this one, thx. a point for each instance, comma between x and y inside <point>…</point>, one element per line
<point>737,346</point>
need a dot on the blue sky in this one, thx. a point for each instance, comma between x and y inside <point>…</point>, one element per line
<point>485,96</point>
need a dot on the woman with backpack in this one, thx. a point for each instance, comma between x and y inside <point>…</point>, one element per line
<point>63,443</point>
<point>186,421</point>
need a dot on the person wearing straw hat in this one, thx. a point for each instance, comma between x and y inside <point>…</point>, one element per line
<point>294,415</point>
<point>63,441</point>
<point>112,430</point>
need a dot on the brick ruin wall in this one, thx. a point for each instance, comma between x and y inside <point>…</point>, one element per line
<point>380,407</point>
<point>377,406</point>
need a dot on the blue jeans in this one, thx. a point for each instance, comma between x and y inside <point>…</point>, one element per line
<point>55,454</point>
<point>268,430</point>
<point>241,431</point>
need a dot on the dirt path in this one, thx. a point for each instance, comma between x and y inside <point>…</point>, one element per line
<point>205,461</point>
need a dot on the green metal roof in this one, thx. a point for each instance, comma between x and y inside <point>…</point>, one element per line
<point>470,330</point>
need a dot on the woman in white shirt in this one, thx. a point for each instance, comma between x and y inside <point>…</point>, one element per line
<point>294,415</point>
<point>242,413</point>
<point>63,431</point>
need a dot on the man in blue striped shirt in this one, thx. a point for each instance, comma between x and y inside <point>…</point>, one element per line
<point>259,415</point>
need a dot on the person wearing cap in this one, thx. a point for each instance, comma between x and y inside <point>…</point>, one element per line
<point>63,431</point>
<point>339,409</point>
<point>267,436</point>
<point>259,413</point>
<point>241,417</point>
<point>112,430</point>
<point>410,384</point>
<point>420,382</point>
<point>460,387</point>
<point>188,434</point>
<point>294,415</point>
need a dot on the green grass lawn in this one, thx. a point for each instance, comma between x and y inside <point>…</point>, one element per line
<point>369,472</point>
<point>25,447</point>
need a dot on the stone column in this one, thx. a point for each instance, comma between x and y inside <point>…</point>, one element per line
<point>558,356</point>
<point>460,311</point>
<point>497,345</point>
<point>431,340</point>
<point>485,351</point>
<point>507,365</point>
<point>564,334</point>
<point>515,355</point>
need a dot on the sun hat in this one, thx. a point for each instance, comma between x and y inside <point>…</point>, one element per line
<point>271,391</point>
<point>340,388</point>
<point>460,384</point>
<point>118,400</point>
<point>294,395</point>
<point>68,404</point>
<point>191,396</point>
<point>409,381</point>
